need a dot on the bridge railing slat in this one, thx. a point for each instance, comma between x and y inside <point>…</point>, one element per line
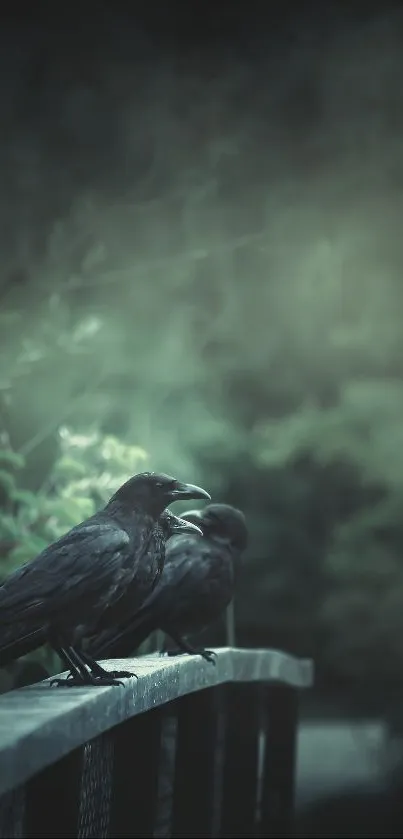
<point>197,764</point>
<point>137,768</point>
<point>279,734</point>
<point>241,761</point>
<point>53,798</point>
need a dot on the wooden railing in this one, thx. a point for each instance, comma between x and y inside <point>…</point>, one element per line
<point>187,749</point>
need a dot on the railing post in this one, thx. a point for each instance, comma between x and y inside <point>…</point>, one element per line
<point>279,764</point>
<point>240,783</point>
<point>52,799</point>
<point>198,764</point>
<point>137,766</point>
<point>162,828</point>
<point>12,811</point>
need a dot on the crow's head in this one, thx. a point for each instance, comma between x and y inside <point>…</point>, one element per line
<point>223,522</point>
<point>151,492</point>
<point>172,525</point>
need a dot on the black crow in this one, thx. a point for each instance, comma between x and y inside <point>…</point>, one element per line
<point>62,594</point>
<point>195,587</point>
<point>16,642</point>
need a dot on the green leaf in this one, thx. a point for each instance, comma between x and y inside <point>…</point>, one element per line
<point>22,553</point>
<point>7,481</point>
<point>126,457</point>
<point>25,497</point>
<point>68,467</point>
<point>8,526</point>
<point>37,543</point>
<point>12,458</point>
<point>25,550</point>
<point>70,511</point>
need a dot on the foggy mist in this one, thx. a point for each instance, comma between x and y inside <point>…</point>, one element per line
<point>199,223</point>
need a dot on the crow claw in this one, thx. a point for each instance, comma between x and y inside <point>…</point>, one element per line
<point>208,655</point>
<point>122,674</point>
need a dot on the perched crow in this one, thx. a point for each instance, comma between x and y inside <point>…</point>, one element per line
<point>17,643</point>
<point>195,587</point>
<point>62,594</point>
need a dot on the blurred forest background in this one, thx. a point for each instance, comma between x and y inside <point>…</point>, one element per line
<point>201,273</point>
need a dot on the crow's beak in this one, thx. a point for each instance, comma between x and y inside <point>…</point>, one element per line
<point>179,525</point>
<point>186,492</point>
<point>193,516</point>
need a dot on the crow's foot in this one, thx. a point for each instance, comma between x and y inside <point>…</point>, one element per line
<point>121,674</point>
<point>208,655</point>
<point>100,672</point>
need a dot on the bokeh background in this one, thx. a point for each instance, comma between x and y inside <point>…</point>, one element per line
<point>201,273</point>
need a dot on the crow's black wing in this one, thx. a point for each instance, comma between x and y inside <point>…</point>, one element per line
<point>187,558</point>
<point>201,587</point>
<point>192,565</point>
<point>88,555</point>
<point>189,570</point>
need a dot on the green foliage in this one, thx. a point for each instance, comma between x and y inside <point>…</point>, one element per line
<point>87,472</point>
<point>354,445</point>
<point>363,428</point>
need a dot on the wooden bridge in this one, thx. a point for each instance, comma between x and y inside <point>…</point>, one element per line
<point>187,749</point>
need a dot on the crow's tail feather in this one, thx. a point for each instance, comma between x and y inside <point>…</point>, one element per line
<point>17,641</point>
